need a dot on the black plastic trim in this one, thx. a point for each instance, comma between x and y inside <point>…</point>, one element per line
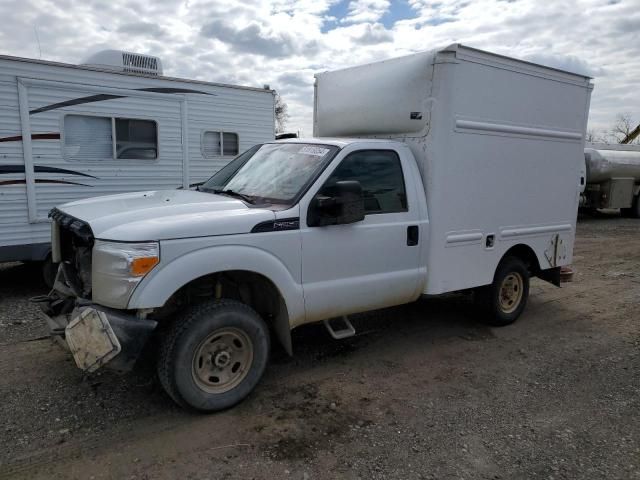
<point>551,275</point>
<point>278,225</point>
<point>29,252</point>
<point>413,235</point>
<point>77,226</point>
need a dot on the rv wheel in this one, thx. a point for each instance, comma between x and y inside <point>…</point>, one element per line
<point>214,355</point>
<point>49,271</point>
<point>503,301</point>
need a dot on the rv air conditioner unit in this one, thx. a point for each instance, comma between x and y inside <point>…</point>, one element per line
<point>125,62</point>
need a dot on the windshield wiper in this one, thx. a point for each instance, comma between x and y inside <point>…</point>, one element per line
<point>233,193</point>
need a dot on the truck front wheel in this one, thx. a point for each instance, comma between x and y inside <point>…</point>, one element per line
<point>503,301</point>
<point>214,355</point>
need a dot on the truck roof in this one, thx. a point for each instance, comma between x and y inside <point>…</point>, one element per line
<point>336,141</point>
<point>455,47</point>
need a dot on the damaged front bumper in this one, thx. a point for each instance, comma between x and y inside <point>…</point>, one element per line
<point>97,336</point>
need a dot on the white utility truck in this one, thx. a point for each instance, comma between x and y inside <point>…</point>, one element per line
<point>472,184</point>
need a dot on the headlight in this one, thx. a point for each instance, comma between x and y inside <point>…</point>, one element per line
<point>118,267</point>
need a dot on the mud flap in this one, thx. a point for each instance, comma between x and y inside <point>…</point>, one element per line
<point>551,275</point>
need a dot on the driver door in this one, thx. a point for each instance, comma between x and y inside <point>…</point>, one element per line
<point>369,264</point>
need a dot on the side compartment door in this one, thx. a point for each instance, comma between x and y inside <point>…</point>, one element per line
<point>369,264</point>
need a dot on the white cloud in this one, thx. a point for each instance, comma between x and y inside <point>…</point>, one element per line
<point>372,34</point>
<point>282,43</point>
<point>366,10</point>
<point>570,63</point>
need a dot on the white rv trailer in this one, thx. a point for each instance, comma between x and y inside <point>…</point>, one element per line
<point>111,125</point>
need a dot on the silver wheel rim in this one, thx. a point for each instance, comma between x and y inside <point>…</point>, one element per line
<point>510,293</point>
<point>222,360</point>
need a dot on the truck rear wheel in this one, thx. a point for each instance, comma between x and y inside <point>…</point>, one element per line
<point>214,355</point>
<point>503,301</point>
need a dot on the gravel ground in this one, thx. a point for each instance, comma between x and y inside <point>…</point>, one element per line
<point>19,319</point>
<point>423,391</point>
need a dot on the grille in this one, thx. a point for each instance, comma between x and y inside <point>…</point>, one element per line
<point>78,227</point>
<point>76,242</point>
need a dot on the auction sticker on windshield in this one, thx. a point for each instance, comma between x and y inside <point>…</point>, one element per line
<point>317,151</point>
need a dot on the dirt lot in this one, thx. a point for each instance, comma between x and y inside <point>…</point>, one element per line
<point>423,391</point>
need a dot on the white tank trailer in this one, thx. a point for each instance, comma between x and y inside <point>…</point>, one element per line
<point>612,178</point>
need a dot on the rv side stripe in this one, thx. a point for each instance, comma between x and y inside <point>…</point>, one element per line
<point>43,180</point>
<point>5,169</point>
<point>104,96</point>
<point>77,101</point>
<point>173,90</point>
<point>34,136</point>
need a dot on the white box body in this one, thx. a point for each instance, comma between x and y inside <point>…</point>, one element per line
<point>499,143</point>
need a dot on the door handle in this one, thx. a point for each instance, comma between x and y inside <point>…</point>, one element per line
<point>413,235</point>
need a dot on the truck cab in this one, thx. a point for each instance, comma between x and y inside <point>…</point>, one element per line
<point>299,230</point>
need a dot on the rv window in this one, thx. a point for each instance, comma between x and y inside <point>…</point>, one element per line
<point>229,143</point>
<point>87,138</point>
<point>91,138</point>
<point>215,144</point>
<point>136,139</point>
<point>211,144</point>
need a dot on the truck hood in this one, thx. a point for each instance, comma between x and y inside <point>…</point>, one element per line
<point>165,214</point>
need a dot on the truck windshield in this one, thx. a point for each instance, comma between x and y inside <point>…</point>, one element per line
<point>273,172</point>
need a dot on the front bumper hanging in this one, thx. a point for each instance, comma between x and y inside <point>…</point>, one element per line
<point>97,336</point>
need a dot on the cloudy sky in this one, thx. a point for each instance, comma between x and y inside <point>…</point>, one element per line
<point>284,42</point>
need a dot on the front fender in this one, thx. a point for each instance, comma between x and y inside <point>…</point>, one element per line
<point>161,283</point>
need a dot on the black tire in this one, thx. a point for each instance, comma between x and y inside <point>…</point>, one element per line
<point>179,355</point>
<point>497,309</point>
<point>49,271</point>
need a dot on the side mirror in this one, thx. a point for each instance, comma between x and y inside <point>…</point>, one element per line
<point>338,204</point>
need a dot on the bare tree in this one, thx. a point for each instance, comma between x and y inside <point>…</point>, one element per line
<point>282,114</point>
<point>593,136</point>
<point>623,126</point>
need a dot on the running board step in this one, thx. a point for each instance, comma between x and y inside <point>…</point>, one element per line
<point>347,331</point>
